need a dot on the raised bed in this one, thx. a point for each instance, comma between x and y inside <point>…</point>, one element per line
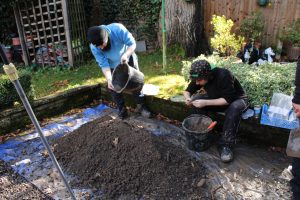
<point>16,118</point>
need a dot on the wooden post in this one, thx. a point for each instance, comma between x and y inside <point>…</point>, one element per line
<point>68,32</point>
<point>21,36</point>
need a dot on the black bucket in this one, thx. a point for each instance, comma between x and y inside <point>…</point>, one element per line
<point>198,136</point>
<point>126,78</point>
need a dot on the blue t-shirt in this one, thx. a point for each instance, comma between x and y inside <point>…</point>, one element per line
<point>120,40</point>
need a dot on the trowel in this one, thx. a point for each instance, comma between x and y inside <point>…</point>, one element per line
<point>293,146</point>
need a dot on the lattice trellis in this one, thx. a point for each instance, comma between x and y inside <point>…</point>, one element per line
<point>52,32</point>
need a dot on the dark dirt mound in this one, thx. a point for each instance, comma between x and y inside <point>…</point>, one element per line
<point>126,160</point>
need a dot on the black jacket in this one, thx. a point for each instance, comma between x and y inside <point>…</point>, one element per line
<point>221,84</point>
<point>296,98</point>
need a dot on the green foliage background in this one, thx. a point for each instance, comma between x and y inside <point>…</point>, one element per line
<point>225,42</point>
<point>143,15</point>
<point>8,93</point>
<point>252,26</point>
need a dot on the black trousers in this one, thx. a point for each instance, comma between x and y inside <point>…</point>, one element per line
<point>233,113</point>
<point>295,182</point>
<point>137,95</point>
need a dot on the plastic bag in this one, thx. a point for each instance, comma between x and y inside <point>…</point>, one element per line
<point>281,106</point>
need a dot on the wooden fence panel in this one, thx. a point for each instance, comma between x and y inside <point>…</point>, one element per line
<point>276,16</point>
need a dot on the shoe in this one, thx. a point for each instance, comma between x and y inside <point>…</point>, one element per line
<point>143,110</point>
<point>226,154</point>
<point>123,113</point>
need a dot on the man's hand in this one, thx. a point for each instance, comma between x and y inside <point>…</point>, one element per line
<point>188,101</point>
<point>297,109</point>
<point>124,58</point>
<point>200,103</point>
<point>110,85</point>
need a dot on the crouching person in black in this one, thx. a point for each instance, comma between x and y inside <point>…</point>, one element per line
<point>220,92</point>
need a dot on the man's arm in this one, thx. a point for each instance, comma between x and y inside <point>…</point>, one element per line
<point>128,53</point>
<point>187,97</point>
<point>107,73</point>
<point>296,99</point>
<point>200,103</point>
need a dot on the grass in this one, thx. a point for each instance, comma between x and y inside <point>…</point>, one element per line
<point>171,82</point>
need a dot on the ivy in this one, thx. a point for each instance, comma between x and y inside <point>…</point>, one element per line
<point>140,16</point>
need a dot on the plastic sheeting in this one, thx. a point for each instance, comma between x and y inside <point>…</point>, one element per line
<point>255,173</point>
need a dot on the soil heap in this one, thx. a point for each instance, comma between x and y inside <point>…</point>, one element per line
<point>126,161</point>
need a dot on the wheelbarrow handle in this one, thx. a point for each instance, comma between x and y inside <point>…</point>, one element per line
<point>3,55</point>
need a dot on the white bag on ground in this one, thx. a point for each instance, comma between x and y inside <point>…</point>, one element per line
<point>281,106</point>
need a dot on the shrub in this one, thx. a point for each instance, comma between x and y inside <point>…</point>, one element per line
<point>225,42</point>
<point>259,82</point>
<point>8,93</point>
<point>252,26</point>
<point>292,33</point>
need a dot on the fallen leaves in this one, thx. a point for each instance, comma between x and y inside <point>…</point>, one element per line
<point>115,142</point>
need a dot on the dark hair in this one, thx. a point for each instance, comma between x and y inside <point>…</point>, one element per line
<point>97,35</point>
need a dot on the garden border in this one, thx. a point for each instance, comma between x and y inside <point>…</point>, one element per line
<point>17,118</point>
<point>250,130</point>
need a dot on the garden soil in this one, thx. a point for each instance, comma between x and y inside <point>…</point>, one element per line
<point>126,161</point>
<point>14,186</point>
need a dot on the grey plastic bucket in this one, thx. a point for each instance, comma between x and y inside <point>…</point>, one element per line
<point>198,137</point>
<point>127,78</point>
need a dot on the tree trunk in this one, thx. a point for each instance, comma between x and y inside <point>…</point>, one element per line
<point>184,25</point>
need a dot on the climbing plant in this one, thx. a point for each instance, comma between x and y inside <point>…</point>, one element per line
<point>141,16</point>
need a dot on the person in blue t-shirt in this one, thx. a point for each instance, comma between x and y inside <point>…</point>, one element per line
<point>111,45</point>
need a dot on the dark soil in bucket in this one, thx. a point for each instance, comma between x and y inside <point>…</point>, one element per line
<point>125,161</point>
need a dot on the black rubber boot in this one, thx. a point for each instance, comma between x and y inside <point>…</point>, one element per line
<point>123,113</point>
<point>143,110</point>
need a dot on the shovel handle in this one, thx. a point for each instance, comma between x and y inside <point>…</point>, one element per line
<point>212,125</point>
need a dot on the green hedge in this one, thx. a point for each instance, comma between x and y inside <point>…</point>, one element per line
<point>259,82</point>
<point>8,93</point>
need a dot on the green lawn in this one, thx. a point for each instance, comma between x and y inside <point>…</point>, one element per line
<point>170,81</point>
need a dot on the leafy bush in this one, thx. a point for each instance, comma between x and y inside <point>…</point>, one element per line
<point>259,82</point>
<point>252,26</point>
<point>8,93</point>
<point>225,42</point>
<point>292,33</point>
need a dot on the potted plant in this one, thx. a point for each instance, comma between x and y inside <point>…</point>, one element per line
<point>291,34</point>
<point>252,26</point>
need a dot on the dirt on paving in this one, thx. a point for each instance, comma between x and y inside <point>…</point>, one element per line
<point>126,161</point>
<point>14,186</point>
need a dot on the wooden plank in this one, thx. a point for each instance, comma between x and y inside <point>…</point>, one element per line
<point>56,18</point>
<point>51,31</point>
<point>68,33</point>
<point>36,27</point>
<point>30,29</point>
<point>21,34</point>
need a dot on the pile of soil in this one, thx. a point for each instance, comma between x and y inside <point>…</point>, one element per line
<point>14,186</point>
<point>125,160</point>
